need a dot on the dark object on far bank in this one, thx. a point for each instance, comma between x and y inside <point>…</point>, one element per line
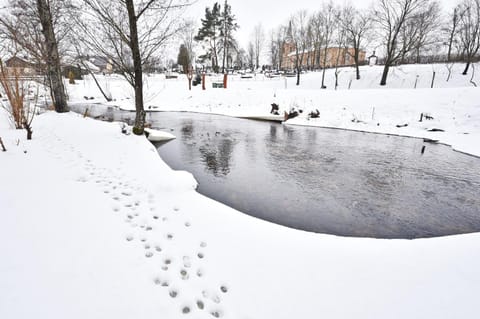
<point>292,114</point>
<point>425,116</point>
<point>314,114</point>
<point>197,80</point>
<point>274,109</point>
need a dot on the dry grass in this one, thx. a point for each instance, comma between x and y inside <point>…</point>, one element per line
<point>16,88</point>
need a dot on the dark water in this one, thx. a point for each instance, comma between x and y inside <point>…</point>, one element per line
<point>327,181</point>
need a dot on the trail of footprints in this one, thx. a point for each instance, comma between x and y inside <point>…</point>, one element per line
<point>150,230</point>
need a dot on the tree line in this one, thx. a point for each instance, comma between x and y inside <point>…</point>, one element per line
<point>401,31</point>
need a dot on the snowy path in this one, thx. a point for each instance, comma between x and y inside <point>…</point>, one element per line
<point>156,229</point>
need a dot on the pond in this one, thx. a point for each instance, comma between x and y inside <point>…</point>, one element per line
<point>325,180</point>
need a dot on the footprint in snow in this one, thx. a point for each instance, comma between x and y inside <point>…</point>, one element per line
<point>200,305</point>
<point>184,274</point>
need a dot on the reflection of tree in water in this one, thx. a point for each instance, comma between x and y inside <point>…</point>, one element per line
<point>187,130</point>
<point>217,158</point>
<point>295,154</point>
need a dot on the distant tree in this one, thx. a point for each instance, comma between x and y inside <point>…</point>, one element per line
<point>429,24</point>
<point>258,41</point>
<point>209,33</point>
<point>251,55</point>
<point>419,32</point>
<point>187,36</point>
<point>228,27</point>
<point>274,50</point>
<point>298,36</point>
<point>183,58</point>
<point>391,18</point>
<point>329,18</point>
<point>316,26</point>
<point>451,30</point>
<point>469,30</point>
<point>356,24</point>
<point>281,35</point>
<point>241,58</point>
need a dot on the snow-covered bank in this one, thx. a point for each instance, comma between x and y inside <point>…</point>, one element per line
<point>395,109</point>
<point>95,225</point>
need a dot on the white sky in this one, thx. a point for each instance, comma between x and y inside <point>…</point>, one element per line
<point>271,12</point>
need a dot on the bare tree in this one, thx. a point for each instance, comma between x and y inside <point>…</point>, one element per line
<point>187,35</point>
<point>279,40</point>
<point>258,40</point>
<point>38,28</point>
<point>420,32</point>
<point>251,55</point>
<point>357,24</point>
<point>128,34</point>
<point>451,29</point>
<point>341,52</point>
<point>298,36</point>
<point>391,17</point>
<point>469,30</point>
<point>329,19</point>
<point>274,50</point>
<point>317,32</point>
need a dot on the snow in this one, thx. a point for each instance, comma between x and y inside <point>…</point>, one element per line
<point>454,105</point>
<point>94,223</point>
<point>158,136</point>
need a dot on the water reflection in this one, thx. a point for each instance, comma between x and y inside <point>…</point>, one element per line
<point>329,181</point>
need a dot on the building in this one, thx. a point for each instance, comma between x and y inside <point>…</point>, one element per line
<point>23,67</point>
<point>314,58</point>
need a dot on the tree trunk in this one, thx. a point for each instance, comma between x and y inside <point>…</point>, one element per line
<point>54,71</point>
<point>324,68</point>
<point>137,66</point>
<point>465,72</point>
<point>383,81</point>
<point>298,76</point>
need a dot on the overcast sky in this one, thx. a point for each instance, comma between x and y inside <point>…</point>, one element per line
<point>271,13</point>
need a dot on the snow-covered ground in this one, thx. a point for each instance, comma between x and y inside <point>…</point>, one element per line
<point>454,105</point>
<point>95,225</point>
